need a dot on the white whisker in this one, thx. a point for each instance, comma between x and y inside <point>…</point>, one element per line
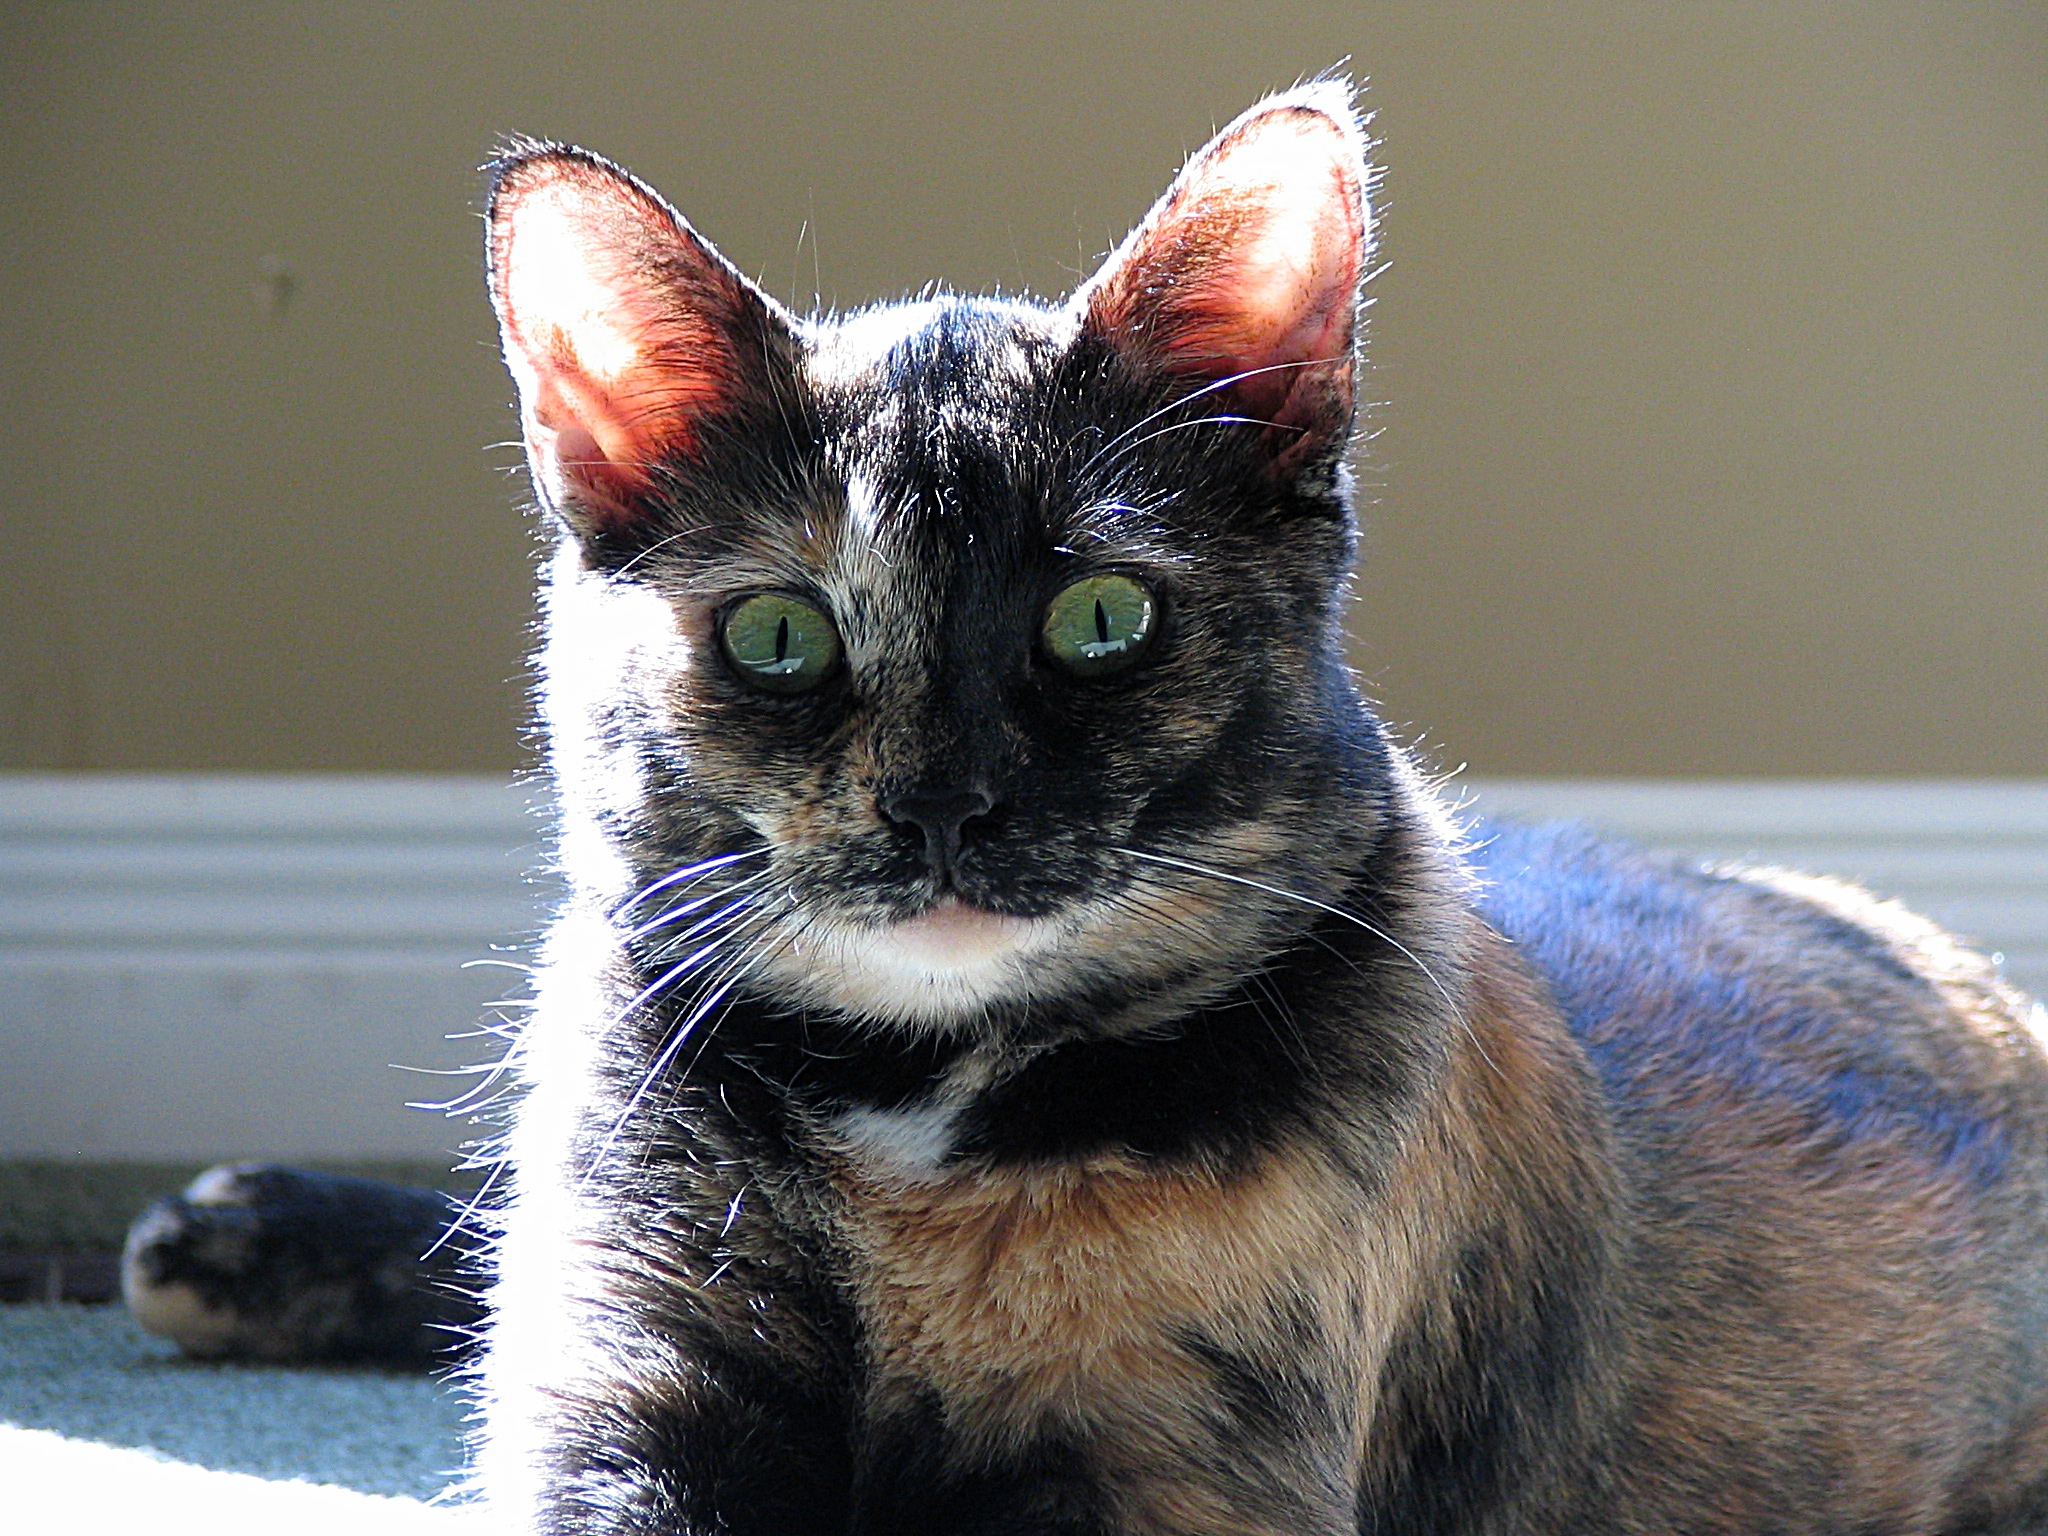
<point>1457,1014</point>
<point>467,1211</point>
<point>677,913</point>
<point>691,873</point>
<point>1193,395</point>
<point>1209,421</point>
<point>716,989</point>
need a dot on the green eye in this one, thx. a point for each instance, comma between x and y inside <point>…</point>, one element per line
<point>1100,624</point>
<point>780,644</point>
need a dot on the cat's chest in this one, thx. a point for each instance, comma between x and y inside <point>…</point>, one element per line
<point>1009,1290</point>
<point>903,1141</point>
<point>912,1137</point>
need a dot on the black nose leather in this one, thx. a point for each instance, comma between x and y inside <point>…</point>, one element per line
<point>940,816</point>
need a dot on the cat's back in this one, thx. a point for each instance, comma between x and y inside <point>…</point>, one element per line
<point>1836,1123</point>
<point>1697,990</point>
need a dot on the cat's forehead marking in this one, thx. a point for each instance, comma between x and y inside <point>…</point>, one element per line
<point>864,519</point>
<point>925,393</point>
<point>940,437</point>
<point>868,573</point>
<point>928,404</point>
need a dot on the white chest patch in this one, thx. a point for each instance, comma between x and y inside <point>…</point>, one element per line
<point>908,1141</point>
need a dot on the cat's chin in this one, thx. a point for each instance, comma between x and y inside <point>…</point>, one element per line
<point>949,961</point>
<point>954,935</point>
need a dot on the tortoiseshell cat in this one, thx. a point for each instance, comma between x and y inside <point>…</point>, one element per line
<point>1025,1052</point>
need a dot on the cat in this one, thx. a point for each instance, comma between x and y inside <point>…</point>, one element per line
<point>1025,1051</point>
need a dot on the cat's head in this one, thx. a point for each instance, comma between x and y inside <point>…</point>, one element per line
<point>912,663</point>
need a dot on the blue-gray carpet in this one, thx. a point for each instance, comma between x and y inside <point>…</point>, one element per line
<point>192,1438</point>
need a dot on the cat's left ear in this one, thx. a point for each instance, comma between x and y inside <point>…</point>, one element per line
<point>1246,275</point>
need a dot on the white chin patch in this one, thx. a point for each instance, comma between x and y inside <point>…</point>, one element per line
<point>951,960</point>
<point>951,937</point>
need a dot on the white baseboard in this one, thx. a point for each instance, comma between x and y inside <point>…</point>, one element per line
<point>211,966</point>
<point>252,966</point>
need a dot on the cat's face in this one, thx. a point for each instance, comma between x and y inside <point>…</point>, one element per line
<point>955,631</point>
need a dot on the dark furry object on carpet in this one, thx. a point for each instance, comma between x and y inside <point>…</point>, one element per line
<point>258,1261</point>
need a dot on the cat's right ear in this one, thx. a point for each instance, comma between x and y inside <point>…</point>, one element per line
<point>1243,281</point>
<point>628,336</point>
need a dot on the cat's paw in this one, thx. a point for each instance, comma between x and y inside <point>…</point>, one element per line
<point>258,1261</point>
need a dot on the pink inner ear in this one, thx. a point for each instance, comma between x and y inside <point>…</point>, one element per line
<point>1251,266</point>
<point>612,358</point>
<point>1285,293</point>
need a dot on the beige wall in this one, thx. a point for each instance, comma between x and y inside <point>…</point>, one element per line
<point>1713,351</point>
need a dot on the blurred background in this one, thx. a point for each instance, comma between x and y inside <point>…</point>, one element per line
<point>1710,359</point>
<point>1708,451</point>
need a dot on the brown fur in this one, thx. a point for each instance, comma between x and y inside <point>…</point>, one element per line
<point>1822,1303</point>
<point>1058,1293</point>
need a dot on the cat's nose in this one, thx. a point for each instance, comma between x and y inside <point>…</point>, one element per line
<point>942,817</point>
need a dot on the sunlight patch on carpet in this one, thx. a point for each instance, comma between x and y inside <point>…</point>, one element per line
<point>88,1374</point>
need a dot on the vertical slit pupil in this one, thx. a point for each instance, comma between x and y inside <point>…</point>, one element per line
<point>1101,622</point>
<point>782,638</point>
